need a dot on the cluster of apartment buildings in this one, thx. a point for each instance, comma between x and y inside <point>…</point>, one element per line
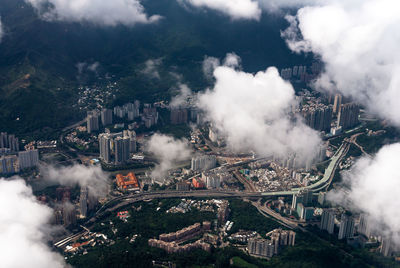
<point>8,143</point>
<point>347,223</point>
<point>182,115</point>
<point>117,147</point>
<point>171,241</point>
<point>211,179</point>
<point>66,213</point>
<point>301,202</point>
<point>296,71</point>
<point>301,72</point>
<point>150,115</point>
<point>11,159</point>
<point>337,115</point>
<point>173,247</point>
<point>359,233</point>
<point>346,226</point>
<point>204,162</point>
<point>267,248</point>
<point>292,161</point>
<point>183,234</point>
<point>318,116</point>
<point>131,111</point>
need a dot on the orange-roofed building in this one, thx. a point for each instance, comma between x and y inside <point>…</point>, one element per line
<point>128,182</point>
<point>77,245</point>
<point>198,184</point>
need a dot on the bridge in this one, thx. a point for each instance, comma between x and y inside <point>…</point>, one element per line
<point>121,201</point>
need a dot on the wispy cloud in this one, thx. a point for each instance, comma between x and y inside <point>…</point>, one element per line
<point>92,177</point>
<point>168,151</point>
<point>109,13</point>
<point>236,9</point>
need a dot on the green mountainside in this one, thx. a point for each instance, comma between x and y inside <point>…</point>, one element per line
<point>38,73</point>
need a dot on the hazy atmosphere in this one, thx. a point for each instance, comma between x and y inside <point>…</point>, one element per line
<point>199,133</point>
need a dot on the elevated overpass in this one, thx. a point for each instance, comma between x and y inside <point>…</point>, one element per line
<point>121,201</point>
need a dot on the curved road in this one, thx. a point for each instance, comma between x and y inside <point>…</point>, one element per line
<point>132,198</point>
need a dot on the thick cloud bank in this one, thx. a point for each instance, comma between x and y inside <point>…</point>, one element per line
<point>358,42</point>
<point>374,185</point>
<point>91,176</point>
<point>253,112</point>
<point>23,222</point>
<point>249,9</point>
<point>168,151</point>
<point>101,12</point>
<point>236,9</point>
<point>278,5</point>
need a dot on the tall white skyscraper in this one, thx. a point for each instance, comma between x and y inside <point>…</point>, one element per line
<point>346,228</point>
<point>328,221</point>
<point>202,163</point>
<point>28,159</point>
<point>83,201</point>
<point>92,121</point>
<point>106,117</point>
<point>105,147</point>
<point>364,226</point>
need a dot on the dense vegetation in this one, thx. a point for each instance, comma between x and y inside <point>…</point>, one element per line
<point>311,250</point>
<point>246,217</point>
<point>39,78</point>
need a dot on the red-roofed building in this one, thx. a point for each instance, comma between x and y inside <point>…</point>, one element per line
<point>198,184</point>
<point>123,215</point>
<point>128,182</point>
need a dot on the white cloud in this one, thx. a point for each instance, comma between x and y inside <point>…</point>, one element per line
<point>23,221</point>
<point>83,66</point>
<point>181,99</point>
<point>358,41</point>
<point>236,9</point>
<point>91,176</point>
<point>250,9</point>
<point>111,13</point>
<point>168,151</point>
<point>374,187</point>
<point>151,68</point>
<point>209,65</point>
<point>278,5</point>
<point>253,112</point>
<point>232,60</point>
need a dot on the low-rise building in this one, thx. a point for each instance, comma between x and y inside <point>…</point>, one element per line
<point>128,182</point>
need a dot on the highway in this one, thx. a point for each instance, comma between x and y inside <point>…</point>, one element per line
<point>126,200</point>
<point>133,198</point>
<point>121,201</point>
<point>248,185</point>
<point>77,124</point>
<point>330,170</point>
<point>267,212</point>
